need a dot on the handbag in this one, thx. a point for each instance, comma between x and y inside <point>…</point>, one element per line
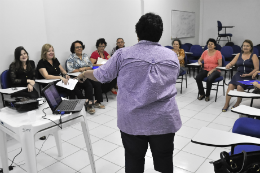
<point>245,162</point>
<point>256,91</point>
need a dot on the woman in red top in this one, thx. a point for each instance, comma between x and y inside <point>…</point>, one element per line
<point>212,59</point>
<point>101,53</point>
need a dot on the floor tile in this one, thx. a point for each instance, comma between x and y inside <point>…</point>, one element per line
<point>188,113</point>
<point>184,119</point>
<point>180,142</point>
<point>91,125</point>
<point>78,160</point>
<point>219,127</point>
<point>112,104</point>
<point>212,110</point>
<point>114,138</point>
<point>79,141</point>
<point>183,160</point>
<point>101,111</point>
<point>13,145</point>
<point>215,155</point>
<point>102,166</point>
<point>199,150</point>
<point>195,107</point>
<point>69,133</point>
<point>224,121</point>
<point>206,167</point>
<point>116,156</point>
<point>101,148</point>
<point>112,124</point>
<point>187,132</point>
<point>148,163</point>
<point>197,124</point>
<point>205,117</point>
<point>102,118</point>
<point>46,144</point>
<point>112,112</point>
<point>229,114</point>
<point>102,131</point>
<point>182,104</point>
<point>58,167</point>
<point>179,170</point>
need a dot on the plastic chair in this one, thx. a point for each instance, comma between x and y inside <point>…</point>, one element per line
<point>189,46</point>
<point>182,74</point>
<point>248,127</point>
<point>255,51</point>
<point>197,51</point>
<point>227,52</point>
<point>5,83</point>
<point>185,48</point>
<point>219,79</point>
<point>229,44</point>
<point>227,35</point>
<point>236,49</point>
<point>258,48</point>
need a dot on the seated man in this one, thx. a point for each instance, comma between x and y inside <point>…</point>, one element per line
<point>119,44</point>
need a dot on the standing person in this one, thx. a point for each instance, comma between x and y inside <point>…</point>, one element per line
<point>22,74</point>
<point>79,62</point>
<point>101,53</point>
<point>247,63</point>
<point>119,44</point>
<point>149,114</point>
<point>212,59</point>
<point>176,44</point>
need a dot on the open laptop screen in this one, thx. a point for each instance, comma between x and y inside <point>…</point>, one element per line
<point>52,97</point>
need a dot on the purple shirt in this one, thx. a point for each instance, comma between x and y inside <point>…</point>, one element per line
<point>146,77</point>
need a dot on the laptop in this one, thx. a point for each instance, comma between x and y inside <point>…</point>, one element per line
<point>58,105</point>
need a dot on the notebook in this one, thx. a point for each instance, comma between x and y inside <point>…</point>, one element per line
<point>58,105</point>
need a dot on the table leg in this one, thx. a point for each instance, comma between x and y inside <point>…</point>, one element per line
<point>3,151</point>
<point>58,142</point>
<point>232,149</point>
<point>28,146</point>
<point>86,135</point>
<point>3,99</point>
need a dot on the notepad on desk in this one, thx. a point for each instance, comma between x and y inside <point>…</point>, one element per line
<point>70,85</point>
<point>101,61</point>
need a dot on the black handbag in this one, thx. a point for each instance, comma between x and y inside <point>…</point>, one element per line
<point>245,162</point>
<point>256,91</point>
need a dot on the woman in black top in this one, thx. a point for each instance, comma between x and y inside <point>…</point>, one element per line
<point>50,68</point>
<point>22,74</point>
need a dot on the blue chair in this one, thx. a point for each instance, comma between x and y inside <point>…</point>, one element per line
<point>236,49</point>
<point>248,127</point>
<point>219,79</point>
<point>227,52</point>
<point>197,51</point>
<point>189,45</point>
<point>5,83</point>
<point>182,74</point>
<point>255,51</point>
<point>258,48</point>
<point>185,48</point>
<point>229,44</point>
<point>227,35</point>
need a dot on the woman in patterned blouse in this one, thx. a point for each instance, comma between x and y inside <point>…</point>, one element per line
<point>79,62</point>
<point>176,44</point>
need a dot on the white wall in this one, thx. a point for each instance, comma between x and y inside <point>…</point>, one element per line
<point>164,7</point>
<point>244,15</point>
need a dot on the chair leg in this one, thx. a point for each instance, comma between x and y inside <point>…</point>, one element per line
<point>251,104</point>
<point>186,80</point>
<point>3,99</point>
<point>223,88</point>
<point>216,93</point>
<point>181,83</point>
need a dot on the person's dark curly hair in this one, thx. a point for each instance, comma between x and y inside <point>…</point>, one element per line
<point>17,62</point>
<point>101,41</point>
<point>149,27</point>
<point>213,41</point>
<point>178,41</point>
<point>72,47</point>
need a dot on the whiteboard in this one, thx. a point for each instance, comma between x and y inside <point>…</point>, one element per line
<point>182,24</point>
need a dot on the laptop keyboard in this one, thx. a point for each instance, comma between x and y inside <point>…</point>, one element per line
<point>68,105</point>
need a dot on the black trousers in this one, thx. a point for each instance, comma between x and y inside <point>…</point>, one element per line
<point>108,86</point>
<point>136,146</point>
<point>33,95</point>
<point>88,86</point>
<point>199,78</point>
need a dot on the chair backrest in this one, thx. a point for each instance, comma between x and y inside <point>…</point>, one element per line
<point>236,49</point>
<point>185,48</point>
<point>229,44</point>
<point>170,47</point>
<point>258,48</point>
<point>196,50</point>
<point>186,59</point>
<point>218,47</point>
<point>5,80</point>
<point>227,51</point>
<point>189,45</point>
<point>219,25</point>
<point>223,61</point>
<point>255,51</point>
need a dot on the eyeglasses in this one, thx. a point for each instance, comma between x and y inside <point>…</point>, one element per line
<point>120,42</point>
<point>102,46</point>
<point>78,47</point>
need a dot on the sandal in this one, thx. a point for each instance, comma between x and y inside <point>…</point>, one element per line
<point>89,108</point>
<point>207,99</point>
<point>201,97</point>
<point>225,110</point>
<point>99,105</point>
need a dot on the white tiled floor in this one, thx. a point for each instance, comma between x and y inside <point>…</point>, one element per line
<point>107,145</point>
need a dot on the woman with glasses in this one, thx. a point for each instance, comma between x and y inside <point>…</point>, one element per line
<point>80,62</point>
<point>101,53</point>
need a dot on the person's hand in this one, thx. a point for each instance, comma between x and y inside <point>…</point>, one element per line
<point>255,84</point>
<point>108,56</point>
<point>67,76</point>
<point>30,88</point>
<point>244,75</point>
<point>254,75</point>
<point>32,82</point>
<point>82,69</point>
<point>228,66</point>
<point>65,81</point>
<point>199,63</point>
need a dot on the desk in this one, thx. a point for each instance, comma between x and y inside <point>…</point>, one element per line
<point>189,53</point>
<point>25,131</point>
<point>194,65</point>
<point>10,91</point>
<point>74,74</point>
<point>224,69</point>
<point>253,96</point>
<point>44,81</point>
<point>247,110</point>
<point>218,138</point>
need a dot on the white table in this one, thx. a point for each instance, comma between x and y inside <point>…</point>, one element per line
<point>25,131</point>
<point>44,81</point>
<point>74,74</point>
<point>253,96</point>
<point>190,53</point>
<point>194,65</point>
<point>218,138</point>
<point>246,110</point>
<point>10,91</point>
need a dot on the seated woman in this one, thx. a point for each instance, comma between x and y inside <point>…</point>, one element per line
<point>101,53</point>
<point>176,44</point>
<point>212,59</point>
<point>50,68</point>
<point>247,64</point>
<point>22,74</point>
<point>119,44</point>
<point>79,62</point>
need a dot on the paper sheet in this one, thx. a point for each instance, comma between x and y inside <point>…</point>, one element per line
<point>70,85</point>
<point>101,61</point>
